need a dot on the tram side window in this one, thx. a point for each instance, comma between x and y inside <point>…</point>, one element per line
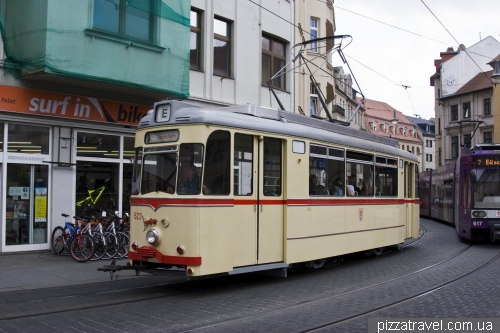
<point>386,177</point>
<point>191,159</point>
<point>272,167</point>
<point>359,169</point>
<point>326,171</point>
<point>216,178</point>
<point>243,164</point>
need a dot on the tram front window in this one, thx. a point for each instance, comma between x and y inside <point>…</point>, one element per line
<point>159,171</point>
<point>487,189</point>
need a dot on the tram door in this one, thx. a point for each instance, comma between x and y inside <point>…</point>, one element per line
<point>408,195</point>
<point>270,201</point>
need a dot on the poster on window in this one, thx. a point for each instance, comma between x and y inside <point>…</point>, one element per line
<point>40,204</point>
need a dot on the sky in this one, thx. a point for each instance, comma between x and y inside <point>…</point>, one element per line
<point>383,57</point>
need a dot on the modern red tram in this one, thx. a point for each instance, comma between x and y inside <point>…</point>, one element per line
<point>466,194</point>
<point>243,189</point>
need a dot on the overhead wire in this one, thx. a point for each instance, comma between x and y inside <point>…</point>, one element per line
<point>465,50</point>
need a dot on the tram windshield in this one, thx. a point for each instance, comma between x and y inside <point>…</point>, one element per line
<point>487,188</point>
<point>159,169</point>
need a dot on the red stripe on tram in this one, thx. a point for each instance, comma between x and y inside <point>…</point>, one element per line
<point>341,202</point>
<point>202,202</point>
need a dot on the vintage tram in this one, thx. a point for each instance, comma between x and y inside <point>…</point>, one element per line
<point>466,193</point>
<point>243,189</point>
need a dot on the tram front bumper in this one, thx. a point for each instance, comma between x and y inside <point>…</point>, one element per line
<point>495,232</point>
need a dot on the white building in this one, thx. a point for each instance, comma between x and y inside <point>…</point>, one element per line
<point>463,98</point>
<point>236,47</point>
<point>426,132</point>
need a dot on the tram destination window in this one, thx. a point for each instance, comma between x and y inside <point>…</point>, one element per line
<point>327,172</point>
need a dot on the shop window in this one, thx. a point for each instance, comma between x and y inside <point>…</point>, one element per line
<point>98,145</point>
<point>97,188</point>
<point>28,139</point>
<point>128,147</point>
<point>1,136</point>
<point>26,204</point>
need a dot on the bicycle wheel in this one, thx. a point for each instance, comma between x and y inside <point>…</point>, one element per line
<point>81,248</point>
<point>123,244</point>
<point>100,246</point>
<point>57,241</point>
<point>111,245</point>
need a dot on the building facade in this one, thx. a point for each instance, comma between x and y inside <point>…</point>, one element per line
<point>463,98</point>
<point>379,116</point>
<point>235,48</point>
<point>426,132</point>
<point>78,75</point>
<point>345,102</point>
<point>317,20</point>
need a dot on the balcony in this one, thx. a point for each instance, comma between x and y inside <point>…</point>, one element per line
<point>52,42</point>
<point>338,109</point>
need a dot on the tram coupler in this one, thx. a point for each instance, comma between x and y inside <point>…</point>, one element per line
<point>113,268</point>
<point>495,232</point>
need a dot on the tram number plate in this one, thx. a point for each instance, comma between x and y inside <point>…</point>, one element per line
<point>137,216</point>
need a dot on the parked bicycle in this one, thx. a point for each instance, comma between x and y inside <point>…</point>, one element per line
<point>81,246</point>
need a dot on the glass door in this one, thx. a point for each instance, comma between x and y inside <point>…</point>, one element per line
<point>26,204</point>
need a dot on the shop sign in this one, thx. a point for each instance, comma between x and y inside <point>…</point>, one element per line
<point>51,104</point>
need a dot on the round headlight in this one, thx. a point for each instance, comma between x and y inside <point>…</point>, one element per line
<point>479,213</point>
<point>152,236</point>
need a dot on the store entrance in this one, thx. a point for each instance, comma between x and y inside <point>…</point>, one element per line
<point>26,204</point>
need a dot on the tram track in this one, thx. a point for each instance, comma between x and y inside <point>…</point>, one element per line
<point>407,299</point>
<point>194,286</point>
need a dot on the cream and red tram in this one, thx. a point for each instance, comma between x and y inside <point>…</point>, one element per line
<point>243,189</point>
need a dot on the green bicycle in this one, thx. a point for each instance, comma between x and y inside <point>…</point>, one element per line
<point>88,207</point>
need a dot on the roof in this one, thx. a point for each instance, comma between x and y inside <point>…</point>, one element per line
<point>383,113</point>
<point>423,125</point>
<point>479,82</point>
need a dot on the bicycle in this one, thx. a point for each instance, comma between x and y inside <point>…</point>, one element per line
<point>80,246</point>
<point>86,206</point>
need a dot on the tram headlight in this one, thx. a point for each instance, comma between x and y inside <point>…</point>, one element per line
<point>478,213</point>
<point>152,236</point>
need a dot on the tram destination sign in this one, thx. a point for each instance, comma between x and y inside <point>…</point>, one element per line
<point>162,136</point>
<point>487,161</point>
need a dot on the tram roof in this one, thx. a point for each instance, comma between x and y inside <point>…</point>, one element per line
<point>272,121</point>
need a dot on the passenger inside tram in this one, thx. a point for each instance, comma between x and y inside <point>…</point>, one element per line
<point>189,181</point>
<point>336,187</point>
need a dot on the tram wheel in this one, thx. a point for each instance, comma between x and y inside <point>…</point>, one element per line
<point>312,265</point>
<point>374,252</point>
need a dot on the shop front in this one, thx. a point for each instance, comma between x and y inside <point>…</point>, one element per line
<point>61,154</point>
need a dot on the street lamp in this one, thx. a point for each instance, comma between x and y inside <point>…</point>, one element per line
<point>395,120</point>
